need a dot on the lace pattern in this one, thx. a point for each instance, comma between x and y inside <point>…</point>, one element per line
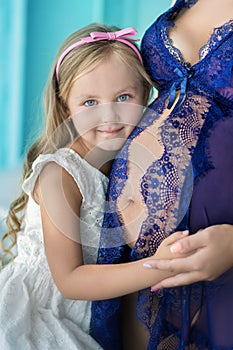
<point>170,178</point>
<point>217,36</point>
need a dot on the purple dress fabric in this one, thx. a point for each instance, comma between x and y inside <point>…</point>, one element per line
<point>189,187</point>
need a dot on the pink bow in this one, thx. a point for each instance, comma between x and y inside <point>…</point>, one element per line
<point>122,35</point>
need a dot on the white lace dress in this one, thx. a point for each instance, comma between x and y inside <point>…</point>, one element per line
<point>33,313</point>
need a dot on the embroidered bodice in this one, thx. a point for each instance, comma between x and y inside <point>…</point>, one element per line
<point>33,312</point>
<point>92,184</point>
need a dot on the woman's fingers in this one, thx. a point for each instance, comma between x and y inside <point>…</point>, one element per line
<point>171,265</point>
<point>188,244</point>
<point>202,256</point>
<point>200,265</point>
<point>177,265</point>
<point>175,237</point>
<point>175,281</point>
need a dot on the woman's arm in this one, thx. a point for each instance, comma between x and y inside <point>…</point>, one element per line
<point>60,200</point>
<point>210,255</point>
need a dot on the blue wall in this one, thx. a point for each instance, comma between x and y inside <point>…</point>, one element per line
<point>30,33</point>
<point>12,49</point>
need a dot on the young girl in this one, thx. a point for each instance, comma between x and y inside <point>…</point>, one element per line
<point>94,98</point>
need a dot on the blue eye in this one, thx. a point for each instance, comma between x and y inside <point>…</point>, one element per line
<point>90,103</point>
<point>123,98</point>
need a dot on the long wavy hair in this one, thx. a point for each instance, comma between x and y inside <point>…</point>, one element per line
<point>79,61</point>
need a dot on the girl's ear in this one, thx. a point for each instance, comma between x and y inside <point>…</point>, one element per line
<point>148,95</point>
<point>65,108</point>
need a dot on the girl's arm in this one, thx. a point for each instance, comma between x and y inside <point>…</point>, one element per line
<point>60,199</point>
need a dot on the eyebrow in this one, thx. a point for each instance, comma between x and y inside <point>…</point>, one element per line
<point>130,87</point>
<point>118,92</point>
<point>86,97</point>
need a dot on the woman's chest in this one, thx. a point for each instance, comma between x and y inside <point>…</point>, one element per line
<point>196,27</point>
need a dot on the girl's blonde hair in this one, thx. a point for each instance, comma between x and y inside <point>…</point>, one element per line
<point>79,61</point>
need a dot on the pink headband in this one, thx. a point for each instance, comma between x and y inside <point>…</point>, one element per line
<point>121,35</point>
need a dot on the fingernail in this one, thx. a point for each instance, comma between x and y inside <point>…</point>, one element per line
<point>153,290</point>
<point>147,265</point>
<point>185,232</point>
<point>176,248</point>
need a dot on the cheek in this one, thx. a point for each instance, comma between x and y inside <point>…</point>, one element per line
<point>85,121</point>
<point>90,137</point>
<point>131,114</point>
<point>128,130</point>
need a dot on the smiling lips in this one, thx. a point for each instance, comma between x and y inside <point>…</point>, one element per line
<point>111,131</point>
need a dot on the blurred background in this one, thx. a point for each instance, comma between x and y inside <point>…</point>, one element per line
<point>30,33</point>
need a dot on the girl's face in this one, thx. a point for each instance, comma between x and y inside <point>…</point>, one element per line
<point>106,104</point>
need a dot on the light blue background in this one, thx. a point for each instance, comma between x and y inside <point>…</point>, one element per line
<point>30,33</point>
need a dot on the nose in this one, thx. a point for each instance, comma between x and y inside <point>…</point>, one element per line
<point>109,113</point>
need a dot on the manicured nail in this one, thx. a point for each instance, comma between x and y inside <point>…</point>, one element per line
<point>154,290</point>
<point>185,232</point>
<point>176,248</point>
<point>147,265</point>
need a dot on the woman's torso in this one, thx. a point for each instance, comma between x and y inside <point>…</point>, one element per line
<point>202,120</point>
<point>199,128</point>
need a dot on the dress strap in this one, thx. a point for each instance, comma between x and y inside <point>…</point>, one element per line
<point>66,158</point>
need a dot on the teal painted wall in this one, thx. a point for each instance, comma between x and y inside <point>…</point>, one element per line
<point>12,50</point>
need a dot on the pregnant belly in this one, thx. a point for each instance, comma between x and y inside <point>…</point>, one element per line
<point>143,151</point>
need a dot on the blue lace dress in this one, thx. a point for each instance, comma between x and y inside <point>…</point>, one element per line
<point>189,187</point>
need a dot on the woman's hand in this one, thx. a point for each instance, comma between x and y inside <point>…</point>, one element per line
<point>206,255</point>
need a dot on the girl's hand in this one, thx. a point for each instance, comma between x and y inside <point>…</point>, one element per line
<point>164,250</point>
<point>210,254</point>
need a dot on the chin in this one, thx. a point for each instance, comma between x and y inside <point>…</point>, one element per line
<point>112,145</point>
